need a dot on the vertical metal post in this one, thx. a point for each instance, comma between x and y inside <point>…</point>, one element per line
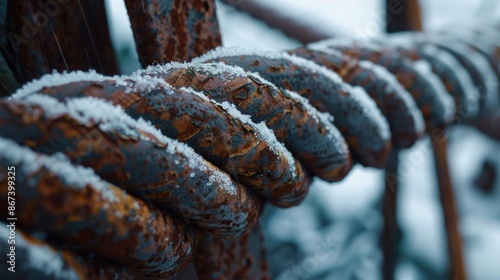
<point>447,197</point>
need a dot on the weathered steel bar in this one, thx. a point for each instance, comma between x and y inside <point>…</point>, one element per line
<point>434,102</point>
<point>245,150</point>
<point>457,269</point>
<point>307,133</point>
<point>173,30</point>
<point>356,116</point>
<point>36,259</point>
<point>240,258</point>
<point>134,156</point>
<point>74,206</point>
<point>395,103</point>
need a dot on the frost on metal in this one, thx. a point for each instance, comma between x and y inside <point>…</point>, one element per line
<point>425,69</point>
<point>402,93</point>
<point>72,176</point>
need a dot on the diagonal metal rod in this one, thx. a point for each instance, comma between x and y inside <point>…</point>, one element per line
<point>457,268</point>
<point>390,237</point>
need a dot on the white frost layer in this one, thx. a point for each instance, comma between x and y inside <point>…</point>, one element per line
<point>133,82</point>
<point>42,258</point>
<point>262,132</point>
<point>325,119</point>
<point>110,118</point>
<point>471,98</point>
<point>219,69</point>
<point>424,68</point>
<point>371,110</point>
<point>482,65</point>
<point>237,51</point>
<point>382,72</point>
<point>72,176</point>
<point>344,42</point>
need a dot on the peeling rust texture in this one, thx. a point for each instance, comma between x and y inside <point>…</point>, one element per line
<point>404,127</point>
<point>97,218</point>
<point>43,36</point>
<point>241,258</point>
<point>173,30</point>
<point>446,74</point>
<point>81,266</point>
<point>209,130</point>
<point>420,88</point>
<point>310,138</point>
<point>143,168</point>
<point>362,133</point>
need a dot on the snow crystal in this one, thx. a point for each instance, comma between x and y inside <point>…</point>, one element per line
<point>133,82</point>
<point>56,79</point>
<point>314,67</point>
<point>196,162</point>
<point>237,51</point>
<point>215,68</point>
<point>464,79</point>
<point>371,110</point>
<point>112,118</point>
<point>299,61</point>
<point>74,176</point>
<point>262,132</point>
<point>41,257</point>
<point>424,68</point>
<point>383,73</point>
<point>343,42</point>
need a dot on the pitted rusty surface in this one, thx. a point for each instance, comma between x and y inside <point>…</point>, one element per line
<point>210,131</point>
<point>57,35</point>
<point>143,168</point>
<point>173,30</point>
<point>240,258</point>
<point>363,135</point>
<point>414,82</point>
<point>303,133</point>
<point>73,266</point>
<point>96,219</point>
<point>404,127</point>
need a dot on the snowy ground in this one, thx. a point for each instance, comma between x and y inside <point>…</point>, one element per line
<point>349,207</point>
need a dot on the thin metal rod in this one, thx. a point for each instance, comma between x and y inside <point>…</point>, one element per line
<point>457,268</point>
<point>390,237</point>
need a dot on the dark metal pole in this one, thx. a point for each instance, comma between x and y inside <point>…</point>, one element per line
<point>447,197</point>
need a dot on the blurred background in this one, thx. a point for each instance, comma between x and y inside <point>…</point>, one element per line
<point>334,233</point>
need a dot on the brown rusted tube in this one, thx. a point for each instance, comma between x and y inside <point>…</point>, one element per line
<point>251,158</point>
<point>72,205</point>
<point>131,155</point>
<point>435,104</point>
<point>364,130</point>
<point>37,259</point>
<point>457,267</point>
<point>240,258</point>
<point>187,29</point>
<point>405,122</point>
<point>305,132</point>
<point>456,81</point>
